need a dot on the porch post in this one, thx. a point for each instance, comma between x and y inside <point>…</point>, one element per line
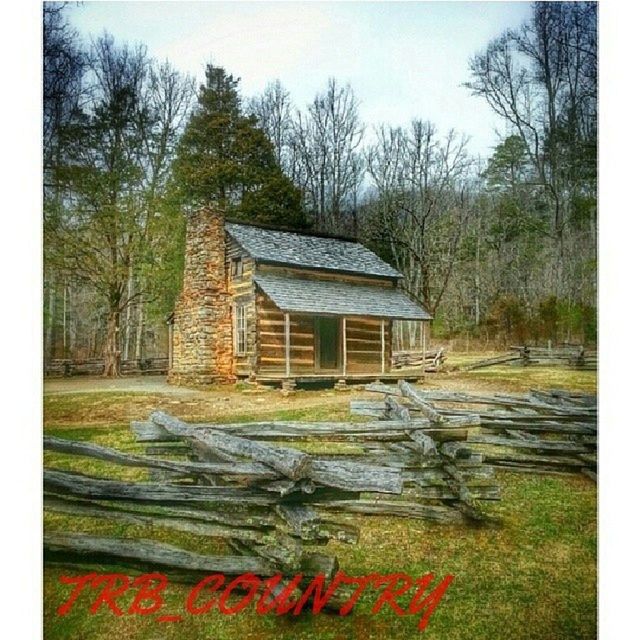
<point>287,345</point>
<point>344,345</point>
<point>424,346</point>
<point>382,349</point>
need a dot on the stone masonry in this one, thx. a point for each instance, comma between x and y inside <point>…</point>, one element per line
<point>202,343</point>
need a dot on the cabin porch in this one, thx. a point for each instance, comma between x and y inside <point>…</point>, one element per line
<point>315,348</point>
<point>271,378</point>
<point>310,330</point>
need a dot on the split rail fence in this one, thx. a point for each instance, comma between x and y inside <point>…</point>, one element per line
<point>273,505</point>
<point>430,454</point>
<point>95,367</point>
<point>431,361</point>
<point>574,356</point>
<point>540,432</point>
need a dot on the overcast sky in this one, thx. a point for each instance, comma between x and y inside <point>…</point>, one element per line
<point>403,59</point>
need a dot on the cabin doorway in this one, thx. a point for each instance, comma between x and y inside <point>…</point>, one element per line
<point>327,332</point>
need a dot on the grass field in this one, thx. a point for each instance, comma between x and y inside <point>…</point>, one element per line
<point>534,577</point>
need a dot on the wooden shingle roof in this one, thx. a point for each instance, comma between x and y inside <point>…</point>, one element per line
<point>298,249</point>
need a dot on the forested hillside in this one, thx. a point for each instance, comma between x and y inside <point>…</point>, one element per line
<point>500,249</point>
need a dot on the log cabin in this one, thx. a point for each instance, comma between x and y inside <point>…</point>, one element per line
<point>270,304</point>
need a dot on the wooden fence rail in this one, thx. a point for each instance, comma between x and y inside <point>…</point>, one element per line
<point>574,356</point>
<point>95,367</point>
<point>540,432</point>
<point>431,360</point>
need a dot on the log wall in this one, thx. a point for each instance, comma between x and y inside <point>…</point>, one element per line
<point>242,291</point>
<point>271,339</point>
<point>363,342</point>
<point>364,345</point>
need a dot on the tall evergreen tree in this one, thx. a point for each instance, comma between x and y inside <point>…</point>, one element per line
<point>225,158</point>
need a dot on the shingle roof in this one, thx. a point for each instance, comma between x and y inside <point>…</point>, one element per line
<point>298,295</point>
<point>313,252</point>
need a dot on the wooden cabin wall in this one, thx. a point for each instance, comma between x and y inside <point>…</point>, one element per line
<point>242,291</point>
<point>271,339</point>
<point>363,342</point>
<point>326,276</point>
<point>364,345</point>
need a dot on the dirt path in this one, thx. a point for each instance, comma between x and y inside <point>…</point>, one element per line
<point>87,401</point>
<point>128,384</point>
<point>102,401</point>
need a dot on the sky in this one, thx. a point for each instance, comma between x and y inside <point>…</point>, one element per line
<point>404,60</point>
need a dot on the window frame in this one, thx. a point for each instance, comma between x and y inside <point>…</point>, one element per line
<point>236,267</point>
<point>240,342</point>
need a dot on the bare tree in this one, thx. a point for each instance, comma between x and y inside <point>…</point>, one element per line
<point>117,150</point>
<point>326,150</point>
<point>542,79</point>
<point>273,110</point>
<point>421,203</point>
<point>63,66</point>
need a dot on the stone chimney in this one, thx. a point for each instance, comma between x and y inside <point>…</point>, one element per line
<point>202,343</point>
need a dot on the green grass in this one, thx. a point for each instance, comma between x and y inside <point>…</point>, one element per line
<point>100,409</point>
<point>522,378</point>
<point>514,377</point>
<point>533,577</point>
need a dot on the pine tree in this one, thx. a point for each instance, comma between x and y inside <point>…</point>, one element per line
<point>225,158</point>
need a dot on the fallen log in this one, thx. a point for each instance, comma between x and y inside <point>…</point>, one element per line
<point>424,444</point>
<point>150,432</point>
<point>355,476</point>
<point>491,362</point>
<point>564,446</point>
<point>241,516</point>
<point>395,411</point>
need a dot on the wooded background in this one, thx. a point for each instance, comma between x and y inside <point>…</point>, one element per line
<point>500,249</point>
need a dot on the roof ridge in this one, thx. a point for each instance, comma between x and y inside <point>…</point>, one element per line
<point>301,232</point>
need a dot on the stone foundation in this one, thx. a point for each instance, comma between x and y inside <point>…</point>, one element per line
<point>202,347</point>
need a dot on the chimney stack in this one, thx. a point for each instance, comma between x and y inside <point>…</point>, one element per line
<point>201,335</point>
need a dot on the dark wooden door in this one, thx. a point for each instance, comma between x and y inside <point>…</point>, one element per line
<point>327,341</point>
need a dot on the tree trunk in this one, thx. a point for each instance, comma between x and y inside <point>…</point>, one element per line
<point>49,349</point>
<point>112,345</point>
<point>477,284</point>
<point>140,331</point>
<point>71,324</point>
<point>65,352</point>
<point>127,328</point>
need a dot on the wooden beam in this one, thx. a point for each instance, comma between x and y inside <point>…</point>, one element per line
<point>344,346</point>
<point>424,346</point>
<point>382,349</point>
<point>287,345</point>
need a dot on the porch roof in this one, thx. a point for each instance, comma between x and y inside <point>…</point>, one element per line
<point>298,295</point>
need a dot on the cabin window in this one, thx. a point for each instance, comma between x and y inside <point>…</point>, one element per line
<point>241,329</point>
<point>236,267</point>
